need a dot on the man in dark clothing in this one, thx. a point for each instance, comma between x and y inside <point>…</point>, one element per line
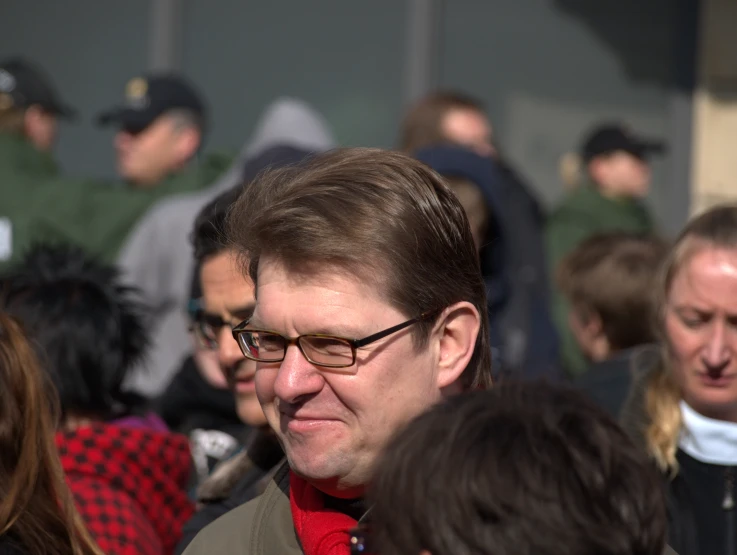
<point>609,281</point>
<point>529,339</point>
<point>610,199</point>
<point>511,261</point>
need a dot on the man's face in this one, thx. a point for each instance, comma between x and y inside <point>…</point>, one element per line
<point>41,128</point>
<point>623,174</point>
<point>145,157</point>
<point>227,295</point>
<point>469,128</point>
<point>333,423</point>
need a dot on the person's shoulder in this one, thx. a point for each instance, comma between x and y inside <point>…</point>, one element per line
<point>230,533</point>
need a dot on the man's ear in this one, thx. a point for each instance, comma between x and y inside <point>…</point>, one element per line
<point>188,142</point>
<point>456,331</point>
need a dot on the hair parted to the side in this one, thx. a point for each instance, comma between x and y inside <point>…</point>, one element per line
<point>422,125</point>
<point>612,275</point>
<point>521,468</point>
<point>87,325</point>
<point>36,507</point>
<point>380,215</point>
<point>715,228</point>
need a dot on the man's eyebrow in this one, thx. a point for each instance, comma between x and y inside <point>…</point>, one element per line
<point>243,308</point>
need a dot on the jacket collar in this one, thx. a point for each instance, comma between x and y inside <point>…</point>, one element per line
<point>708,440</point>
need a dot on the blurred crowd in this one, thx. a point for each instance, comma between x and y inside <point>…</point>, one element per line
<point>311,349</point>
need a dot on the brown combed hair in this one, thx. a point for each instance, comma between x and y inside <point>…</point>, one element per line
<point>612,275</point>
<point>36,507</point>
<point>715,228</point>
<point>373,213</point>
<point>422,126</point>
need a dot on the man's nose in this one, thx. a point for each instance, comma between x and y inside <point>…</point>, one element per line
<point>716,352</point>
<point>229,352</point>
<point>297,378</point>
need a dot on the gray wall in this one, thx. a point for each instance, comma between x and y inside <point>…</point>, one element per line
<point>547,69</point>
<point>345,58</point>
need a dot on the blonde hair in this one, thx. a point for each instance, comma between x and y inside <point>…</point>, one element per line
<point>716,228</point>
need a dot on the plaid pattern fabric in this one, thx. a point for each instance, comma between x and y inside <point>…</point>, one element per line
<point>129,486</point>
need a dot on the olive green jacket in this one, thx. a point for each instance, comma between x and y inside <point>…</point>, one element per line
<point>262,526</point>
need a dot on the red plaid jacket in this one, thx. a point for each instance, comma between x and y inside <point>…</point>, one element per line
<point>129,485</point>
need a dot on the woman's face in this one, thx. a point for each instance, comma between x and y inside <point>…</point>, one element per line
<point>701,327</point>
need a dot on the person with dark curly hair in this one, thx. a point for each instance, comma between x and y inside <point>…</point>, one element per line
<point>127,471</point>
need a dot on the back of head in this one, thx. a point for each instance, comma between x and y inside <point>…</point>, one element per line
<point>612,276</point>
<point>422,125</point>
<point>36,511</point>
<point>520,469</point>
<point>381,216</point>
<point>87,326</point>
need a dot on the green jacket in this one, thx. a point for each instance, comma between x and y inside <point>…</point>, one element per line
<point>263,526</point>
<point>23,171</point>
<point>585,212</point>
<point>96,215</point>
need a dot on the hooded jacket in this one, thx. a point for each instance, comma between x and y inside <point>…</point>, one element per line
<point>158,256</point>
<point>128,486</point>
<point>512,263</point>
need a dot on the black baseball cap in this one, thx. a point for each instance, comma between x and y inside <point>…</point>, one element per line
<point>22,85</point>
<point>149,96</point>
<point>609,138</point>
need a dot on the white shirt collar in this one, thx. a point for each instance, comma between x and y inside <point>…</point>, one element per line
<point>708,440</point>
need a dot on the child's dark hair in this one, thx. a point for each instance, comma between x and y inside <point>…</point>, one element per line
<point>519,469</point>
<point>86,325</point>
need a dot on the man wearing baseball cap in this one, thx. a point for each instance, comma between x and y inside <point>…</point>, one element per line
<point>160,123</point>
<point>29,111</point>
<point>29,105</point>
<point>615,182</point>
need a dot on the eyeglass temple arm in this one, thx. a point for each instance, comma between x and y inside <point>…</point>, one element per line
<point>358,343</point>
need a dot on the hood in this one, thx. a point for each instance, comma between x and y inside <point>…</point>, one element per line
<point>150,469</point>
<point>285,122</point>
<point>293,122</point>
<point>460,162</point>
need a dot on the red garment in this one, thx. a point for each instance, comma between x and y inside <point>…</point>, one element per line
<point>321,531</point>
<point>129,485</point>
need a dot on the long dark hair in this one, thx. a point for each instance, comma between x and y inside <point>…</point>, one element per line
<point>36,507</point>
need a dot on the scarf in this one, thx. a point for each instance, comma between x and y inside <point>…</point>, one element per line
<point>321,531</point>
<point>708,440</point>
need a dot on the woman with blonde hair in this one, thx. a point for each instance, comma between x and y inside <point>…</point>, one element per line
<point>37,514</point>
<point>684,410</point>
